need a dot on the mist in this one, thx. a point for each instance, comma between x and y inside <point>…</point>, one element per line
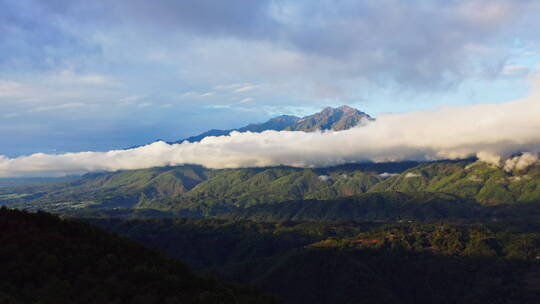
<point>493,133</point>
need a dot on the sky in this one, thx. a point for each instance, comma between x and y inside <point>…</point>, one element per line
<point>103,75</point>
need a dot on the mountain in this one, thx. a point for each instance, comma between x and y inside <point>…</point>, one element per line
<point>386,191</point>
<point>197,189</point>
<point>337,119</point>
<point>380,206</point>
<point>45,259</point>
<point>24,181</point>
<point>111,189</point>
<point>484,183</point>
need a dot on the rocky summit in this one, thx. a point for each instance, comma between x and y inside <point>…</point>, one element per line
<point>337,119</point>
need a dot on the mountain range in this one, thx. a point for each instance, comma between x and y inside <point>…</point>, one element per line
<point>376,191</point>
<point>449,231</point>
<point>432,190</point>
<point>337,119</point>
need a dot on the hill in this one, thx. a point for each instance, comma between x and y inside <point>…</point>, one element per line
<point>357,262</point>
<point>200,190</point>
<point>485,183</point>
<point>387,191</point>
<point>48,260</point>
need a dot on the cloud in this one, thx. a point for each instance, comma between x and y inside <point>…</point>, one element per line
<point>246,88</point>
<point>410,174</point>
<point>515,71</point>
<point>33,39</point>
<point>247,100</point>
<point>381,55</point>
<point>197,94</point>
<point>11,89</point>
<point>207,94</point>
<point>425,44</point>
<point>520,162</point>
<point>492,132</point>
<point>324,178</point>
<point>386,175</point>
<point>68,77</point>
<point>64,106</point>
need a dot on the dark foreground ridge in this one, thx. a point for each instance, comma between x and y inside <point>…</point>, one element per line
<point>45,259</point>
<point>357,262</point>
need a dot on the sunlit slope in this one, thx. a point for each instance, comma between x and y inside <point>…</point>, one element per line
<point>248,187</point>
<point>114,189</point>
<point>483,182</point>
<point>196,191</point>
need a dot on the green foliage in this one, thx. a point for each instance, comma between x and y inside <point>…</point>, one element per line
<point>351,262</point>
<point>454,189</point>
<point>48,260</point>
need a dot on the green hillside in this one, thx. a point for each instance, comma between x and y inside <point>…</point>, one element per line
<point>109,189</point>
<point>383,206</point>
<point>482,182</point>
<point>244,188</point>
<point>403,190</point>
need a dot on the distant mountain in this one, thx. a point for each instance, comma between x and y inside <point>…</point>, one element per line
<point>337,119</point>
<point>448,187</point>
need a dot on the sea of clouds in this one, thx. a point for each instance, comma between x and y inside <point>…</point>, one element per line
<point>493,133</point>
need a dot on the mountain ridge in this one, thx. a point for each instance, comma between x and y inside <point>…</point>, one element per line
<point>195,191</point>
<point>337,119</point>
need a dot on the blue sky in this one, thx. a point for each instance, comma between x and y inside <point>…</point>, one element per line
<point>100,75</point>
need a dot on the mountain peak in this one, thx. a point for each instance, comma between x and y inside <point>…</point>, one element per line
<point>347,109</point>
<point>337,119</point>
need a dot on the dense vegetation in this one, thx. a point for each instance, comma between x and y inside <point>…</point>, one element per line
<point>446,189</point>
<point>371,233</point>
<point>357,262</point>
<point>48,260</point>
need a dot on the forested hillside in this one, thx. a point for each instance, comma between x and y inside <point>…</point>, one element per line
<point>357,262</point>
<point>48,260</point>
<point>386,191</point>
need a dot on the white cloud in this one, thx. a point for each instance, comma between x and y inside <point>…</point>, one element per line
<point>130,99</point>
<point>63,106</point>
<point>247,100</point>
<point>197,94</point>
<point>386,175</point>
<point>144,104</point>
<point>207,94</point>
<point>410,174</point>
<point>229,86</point>
<point>520,162</point>
<point>11,115</point>
<point>68,77</point>
<point>515,71</point>
<point>246,88</point>
<point>191,93</point>
<point>492,132</point>
<point>324,178</point>
<point>11,89</point>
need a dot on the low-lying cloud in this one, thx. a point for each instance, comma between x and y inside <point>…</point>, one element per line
<point>492,132</point>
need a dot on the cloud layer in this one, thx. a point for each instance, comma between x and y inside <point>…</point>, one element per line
<point>491,132</point>
<point>99,75</point>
